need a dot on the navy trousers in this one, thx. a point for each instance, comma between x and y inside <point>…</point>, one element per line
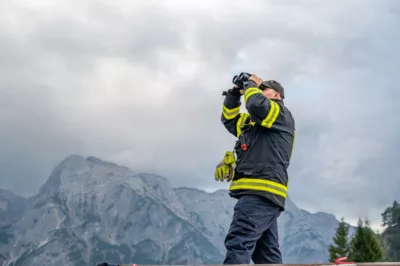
<point>253,233</point>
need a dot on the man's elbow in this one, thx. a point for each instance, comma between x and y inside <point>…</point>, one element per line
<point>225,121</point>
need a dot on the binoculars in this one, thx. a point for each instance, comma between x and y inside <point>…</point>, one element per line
<point>239,79</point>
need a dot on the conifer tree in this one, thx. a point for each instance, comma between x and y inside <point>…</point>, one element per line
<point>391,234</point>
<point>374,252</point>
<point>357,244</point>
<point>340,246</point>
<point>365,245</point>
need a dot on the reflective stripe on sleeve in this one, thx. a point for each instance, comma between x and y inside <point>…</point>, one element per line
<point>272,115</point>
<point>230,113</point>
<point>251,91</point>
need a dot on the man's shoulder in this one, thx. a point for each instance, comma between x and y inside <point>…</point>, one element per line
<point>289,113</point>
<point>284,109</point>
<point>286,115</point>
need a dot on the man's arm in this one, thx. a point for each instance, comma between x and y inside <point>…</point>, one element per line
<point>262,110</point>
<point>231,112</point>
<point>294,134</point>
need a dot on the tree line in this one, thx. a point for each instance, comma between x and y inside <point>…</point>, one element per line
<point>365,245</point>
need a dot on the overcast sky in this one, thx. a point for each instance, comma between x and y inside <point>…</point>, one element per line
<point>139,83</point>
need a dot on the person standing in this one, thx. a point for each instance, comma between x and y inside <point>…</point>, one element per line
<point>259,178</point>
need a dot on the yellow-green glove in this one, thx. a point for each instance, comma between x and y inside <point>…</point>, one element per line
<point>226,168</point>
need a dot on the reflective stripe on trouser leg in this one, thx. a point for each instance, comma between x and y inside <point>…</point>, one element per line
<point>253,215</point>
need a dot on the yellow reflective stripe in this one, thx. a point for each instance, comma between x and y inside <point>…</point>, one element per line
<point>261,188</point>
<point>258,184</point>
<point>230,113</point>
<point>272,115</point>
<point>261,181</point>
<point>249,92</point>
<point>240,123</point>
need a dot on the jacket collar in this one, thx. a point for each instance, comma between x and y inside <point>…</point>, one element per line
<point>279,101</point>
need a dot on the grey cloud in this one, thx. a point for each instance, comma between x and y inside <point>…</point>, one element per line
<point>141,85</point>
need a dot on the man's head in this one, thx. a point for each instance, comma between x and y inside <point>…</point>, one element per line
<point>273,90</point>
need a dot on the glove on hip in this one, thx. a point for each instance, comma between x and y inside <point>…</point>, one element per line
<point>225,170</point>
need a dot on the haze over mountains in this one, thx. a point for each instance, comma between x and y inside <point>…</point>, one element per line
<point>90,211</point>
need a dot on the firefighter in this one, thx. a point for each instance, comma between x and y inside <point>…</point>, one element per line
<point>258,174</point>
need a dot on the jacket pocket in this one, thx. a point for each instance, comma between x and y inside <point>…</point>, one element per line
<point>243,146</point>
<point>255,168</point>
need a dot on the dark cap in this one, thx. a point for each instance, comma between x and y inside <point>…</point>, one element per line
<point>275,85</point>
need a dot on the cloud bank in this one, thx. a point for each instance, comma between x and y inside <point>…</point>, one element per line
<point>140,82</point>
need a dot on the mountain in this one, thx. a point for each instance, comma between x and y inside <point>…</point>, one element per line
<point>12,207</point>
<point>90,211</point>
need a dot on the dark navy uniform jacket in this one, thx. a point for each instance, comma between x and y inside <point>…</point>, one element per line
<point>264,147</point>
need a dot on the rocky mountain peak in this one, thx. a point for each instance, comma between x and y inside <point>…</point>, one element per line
<point>90,210</point>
